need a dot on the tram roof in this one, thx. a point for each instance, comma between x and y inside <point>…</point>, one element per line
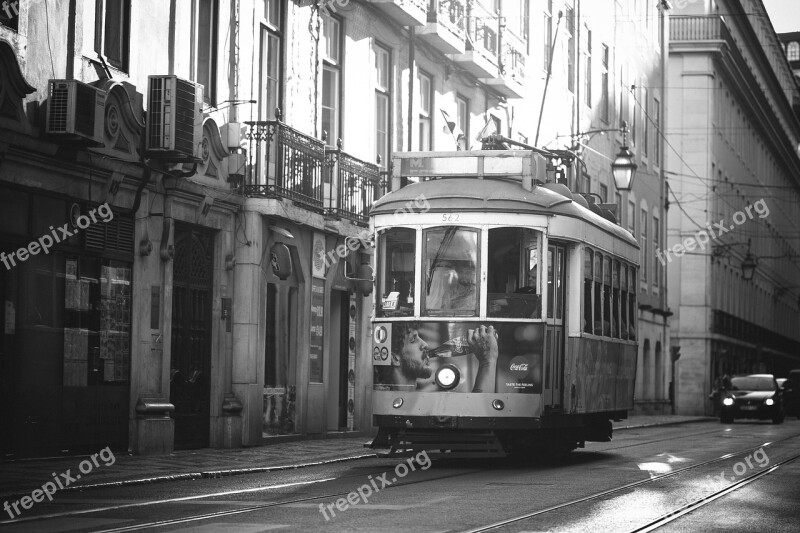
<point>504,195</point>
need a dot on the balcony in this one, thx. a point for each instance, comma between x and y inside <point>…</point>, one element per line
<point>287,164</point>
<point>512,73</point>
<point>355,186</point>
<point>480,56</point>
<point>694,30</point>
<point>404,12</point>
<point>446,29</point>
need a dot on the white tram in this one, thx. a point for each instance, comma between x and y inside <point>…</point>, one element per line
<point>505,309</point>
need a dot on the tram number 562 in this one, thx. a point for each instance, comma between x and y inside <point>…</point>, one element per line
<point>450,217</point>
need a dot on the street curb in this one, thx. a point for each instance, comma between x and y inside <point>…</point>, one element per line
<point>693,421</point>
<point>211,474</point>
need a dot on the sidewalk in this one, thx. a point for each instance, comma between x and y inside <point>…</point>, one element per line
<point>22,476</point>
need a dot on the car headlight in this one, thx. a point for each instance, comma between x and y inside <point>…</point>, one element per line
<point>448,376</point>
<point>769,401</point>
<point>727,401</point>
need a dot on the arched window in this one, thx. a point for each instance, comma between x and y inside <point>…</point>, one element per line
<point>793,51</point>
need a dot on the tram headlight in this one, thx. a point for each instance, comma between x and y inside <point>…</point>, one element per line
<point>769,401</point>
<point>498,404</point>
<point>397,403</point>
<point>727,401</point>
<point>448,377</point>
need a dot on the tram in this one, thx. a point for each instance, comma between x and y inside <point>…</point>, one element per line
<point>505,309</point>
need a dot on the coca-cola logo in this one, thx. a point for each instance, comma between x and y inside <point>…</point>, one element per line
<point>519,366</point>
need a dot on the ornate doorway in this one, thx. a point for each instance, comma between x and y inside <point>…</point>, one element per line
<point>190,376</point>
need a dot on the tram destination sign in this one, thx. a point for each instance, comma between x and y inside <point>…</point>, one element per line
<point>468,164</point>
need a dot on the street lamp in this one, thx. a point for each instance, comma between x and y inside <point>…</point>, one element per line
<point>748,266</point>
<point>623,168</point>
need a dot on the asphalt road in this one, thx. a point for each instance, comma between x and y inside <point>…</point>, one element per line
<point>692,477</point>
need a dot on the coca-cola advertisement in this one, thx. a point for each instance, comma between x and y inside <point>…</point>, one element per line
<point>470,357</point>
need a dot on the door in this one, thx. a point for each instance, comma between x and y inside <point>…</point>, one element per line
<point>190,376</point>
<point>554,335</point>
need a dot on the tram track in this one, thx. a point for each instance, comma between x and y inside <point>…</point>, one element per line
<point>664,519</point>
<point>333,495</point>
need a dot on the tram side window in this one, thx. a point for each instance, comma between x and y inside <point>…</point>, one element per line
<point>632,303</point>
<point>396,274</point>
<point>607,296</point>
<point>597,271</point>
<point>512,274</point>
<point>624,301</point>
<point>451,265</point>
<point>587,291</point>
<point>615,301</point>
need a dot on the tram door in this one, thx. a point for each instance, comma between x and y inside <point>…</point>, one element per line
<point>554,332</point>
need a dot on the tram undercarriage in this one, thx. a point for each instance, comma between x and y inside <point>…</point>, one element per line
<point>467,437</point>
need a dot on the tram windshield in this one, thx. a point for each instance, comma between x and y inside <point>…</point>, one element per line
<point>451,266</point>
<point>396,279</point>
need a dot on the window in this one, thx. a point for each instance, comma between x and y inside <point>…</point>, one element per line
<point>657,127</point>
<point>604,89</point>
<point>383,80</point>
<point>512,277</point>
<point>396,272</point>
<point>646,140</point>
<point>331,79</point>
<point>632,217</point>
<point>623,302</point>
<point>632,303</point>
<point>597,271</point>
<point>462,117</point>
<point>644,256</point>
<point>633,112</point>
<point>604,192</point>
<point>450,265</point>
<point>622,104</point>
<point>204,47</point>
<point>571,49</point>
<point>587,78</point>
<point>425,108</point>
<point>588,260</point>
<point>793,51</point>
<point>656,247</point>
<point>547,34</point>
<point>270,60</point>
<point>112,31</point>
<point>615,330</point>
<point>618,201</point>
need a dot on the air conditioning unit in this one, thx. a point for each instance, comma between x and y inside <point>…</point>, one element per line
<point>75,112</point>
<point>174,119</point>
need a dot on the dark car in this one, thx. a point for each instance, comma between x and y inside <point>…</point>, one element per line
<point>754,396</point>
<point>791,393</point>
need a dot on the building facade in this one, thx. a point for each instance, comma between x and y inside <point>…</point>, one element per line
<point>733,179</point>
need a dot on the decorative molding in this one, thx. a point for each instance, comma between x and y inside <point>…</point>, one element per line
<point>13,90</point>
<point>124,120</point>
<point>213,166</point>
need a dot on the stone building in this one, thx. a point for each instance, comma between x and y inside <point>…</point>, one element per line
<point>733,161</point>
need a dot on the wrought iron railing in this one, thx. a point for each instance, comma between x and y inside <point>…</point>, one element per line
<point>452,14</point>
<point>697,28</point>
<point>513,63</point>
<point>285,163</point>
<point>356,185</point>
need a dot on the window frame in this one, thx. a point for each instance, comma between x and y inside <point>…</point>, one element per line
<point>100,35</point>
<point>211,41</point>
<point>271,37</point>
<point>383,95</point>
<point>333,65</point>
<point>463,100</point>
<point>425,116</point>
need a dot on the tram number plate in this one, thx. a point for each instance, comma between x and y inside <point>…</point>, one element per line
<point>450,217</point>
<point>749,407</point>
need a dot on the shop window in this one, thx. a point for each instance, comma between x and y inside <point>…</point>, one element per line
<point>512,277</point>
<point>451,266</point>
<point>397,272</point>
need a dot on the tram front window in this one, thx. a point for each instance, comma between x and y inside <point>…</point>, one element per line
<point>450,263</point>
<point>396,274</point>
<point>513,281</point>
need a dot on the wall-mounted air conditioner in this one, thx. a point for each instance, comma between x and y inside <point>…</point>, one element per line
<point>75,112</point>
<point>174,119</point>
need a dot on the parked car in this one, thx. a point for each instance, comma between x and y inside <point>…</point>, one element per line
<point>754,396</point>
<point>791,394</point>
